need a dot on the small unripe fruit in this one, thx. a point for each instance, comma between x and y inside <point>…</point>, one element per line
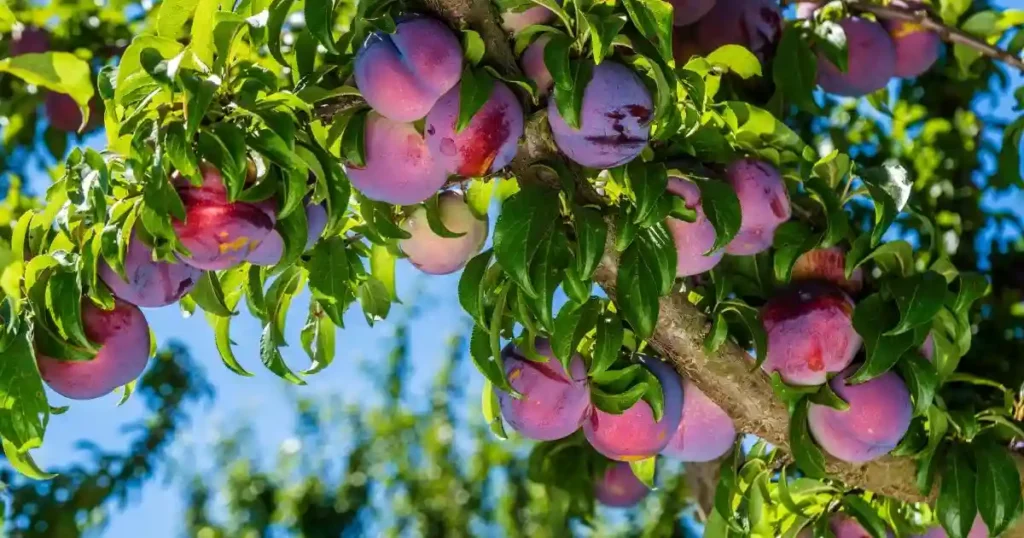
<point>705,432</point>
<point>399,167</point>
<point>634,435</point>
<point>764,205</point>
<point>878,417</point>
<point>692,239</point>
<point>484,146</point>
<point>828,265</point>
<point>402,75</point>
<point>810,333</point>
<point>436,255</point>
<point>122,335</point>
<point>871,60</point>
<point>150,283</point>
<point>619,487</point>
<point>553,403</point>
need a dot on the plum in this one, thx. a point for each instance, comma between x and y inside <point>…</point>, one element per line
<point>978,530</point>
<point>534,67</point>
<point>635,435</point>
<point>844,526</point>
<point>878,417</point>
<point>553,404</point>
<point>150,283</point>
<point>917,49</point>
<point>829,265</point>
<point>271,249</point>
<point>64,115</point>
<point>810,333</point>
<point>871,60</point>
<point>399,167</point>
<point>484,146</point>
<point>689,11</point>
<point>31,40</point>
<point>754,24</point>
<point>705,432</point>
<point>436,255</point>
<point>218,234</point>
<point>692,239</point>
<point>619,487</point>
<point>615,119</point>
<point>517,21</point>
<point>402,75</point>
<point>122,336</point>
<point>764,205</point>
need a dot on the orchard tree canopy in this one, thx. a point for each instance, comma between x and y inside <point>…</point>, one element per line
<point>713,218</point>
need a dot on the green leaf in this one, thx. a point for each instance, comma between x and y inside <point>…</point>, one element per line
<point>607,342</point>
<point>173,15</point>
<point>795,70</point>
<point>722,209</point>
<point>546,273</point>
<point>61,72</point>
<point>792,240</point>
<point>889,186</point>
<point>279,298</point>
<point>373,297</point>
<point>919,297</point>
<point>894,258</point>
<point>526,219</point>
<point>478,197</point>
<point>973,286</point>
<point>474,90</point>
<point>202,29</point>
<point>329,278</point>
<point>199,93</point>
<point>998,492</point>
<point>957,507</point>
<point>24,463</point>
<point>873,317</point>
<point>603,29</point>
<point>866,515</point>
<point>570,79</point>
<point>737,59</point>
<point>571,325</point>
<point>591,235</point>
<point>617,404</point>
<point>24,410</point>
<point>278,13</point>
<point>835,217</point>
<point>805,452</point>
<point>471,292</point>
<point>492,369</point>
<point>648,183</point>
<point>656,244</point>
<point>494,338</point>
<point>653,18</point>
<point>491,409</point>
<point>922,380</point>
<point>382,267</point>
<point>751,319</point>
<point>209,295</point>
<point>271,357</point>
<point>644,470</point>
<point>353,140</point>
<point>434,220</point>
<point>320,20</point>
<point>638,291</point>
<point>473,46</point>
<point>318,339</point>
<point>64,303</point>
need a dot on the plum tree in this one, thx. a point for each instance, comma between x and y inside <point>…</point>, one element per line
<point>122,335</point>
<point>754,24</point>
<point>437,255</point>
<point>399,167</point>
<point>764,204</point>
<point>878,417</point>
<point>618,487</point>
<point>828,265</point>
<point>705,432</point>
<point>271,249</point>
<point>871,60</point>
<point>693,240</point>
<point>484,146</point>
<point>554,403</point>
<point>149,283</point>
<point>635,434</point>
<point>810,333</point>
<point>689,11</point>
<point>217,233</point>
<point>403,74</point>
<point>534,67</point>
<point>614,120</point>
<point>917,49</point>
<point>517,21</point>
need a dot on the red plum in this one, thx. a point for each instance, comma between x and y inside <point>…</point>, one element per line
<point>871,60</point>
<point>484,146</point>
<point>693,239</point>
<point>271,249</point>
<point>754,24</point>
<point>399,167</point>
<point>150,283</point>
<point>619,487</point>
<point>764,205</point>
<point>705,432</point>
<point>828,265</point>
<point>534,67</point>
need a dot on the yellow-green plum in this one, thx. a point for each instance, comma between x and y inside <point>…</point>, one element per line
<point>618,487</point>
<point>122,336</point>
<point>554,403</point>
<point>271,249</point>
<point>692,239</point>
<point>218,234</point>
<point>978,530</point>
<point>150,283</point>
<point>634,435</point>
<point>517,21</point>
<point>402,75</point>
<point>878,417</point>
<point>399,167</point>
<point>917,49</point>
<point>615,119</point>
<point>484,146</point>
<point>810,333</point>
<point>828,265</point>
<point>686,12</point>
<point>871,60</point>
<point>437,255</point>
<point>764,205</point>
<point>705,432</point>
<point>534,67</point>
<point>754,24</point>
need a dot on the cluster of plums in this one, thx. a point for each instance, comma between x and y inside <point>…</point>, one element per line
<point>844,526</point>
<point>555,403</point>
<point>62,111</point>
